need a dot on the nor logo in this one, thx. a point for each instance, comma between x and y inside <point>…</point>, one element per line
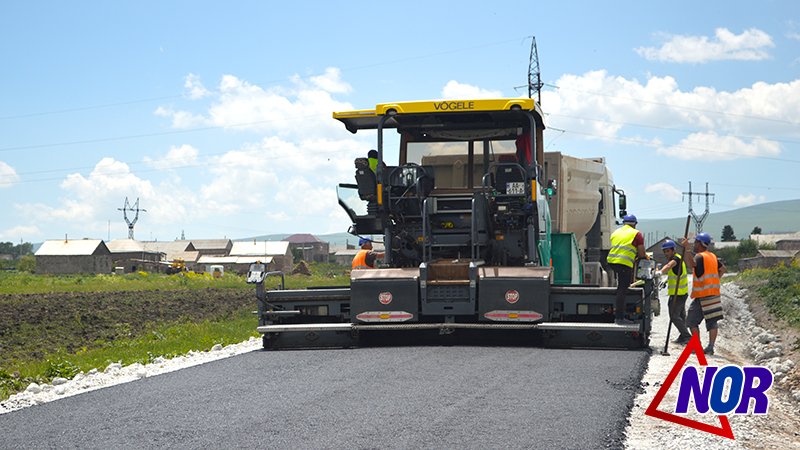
<point>512,296</point>
<point>719,391</point>
<point>385,298</point>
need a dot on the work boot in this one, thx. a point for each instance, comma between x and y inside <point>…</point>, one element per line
<point>709,350</point>
<point>683,340</point>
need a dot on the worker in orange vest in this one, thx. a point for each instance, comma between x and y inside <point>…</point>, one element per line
<point>706,303</point>
<point>365,258</point>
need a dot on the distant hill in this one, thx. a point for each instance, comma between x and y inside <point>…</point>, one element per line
<point>774,217</point>
<point>335,239</point>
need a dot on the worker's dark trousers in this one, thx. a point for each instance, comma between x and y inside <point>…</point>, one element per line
<point>677,314</point>
<point>624,280</point>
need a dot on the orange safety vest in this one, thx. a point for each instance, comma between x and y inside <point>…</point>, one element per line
<point>708,284</point>
<point>360,261</point>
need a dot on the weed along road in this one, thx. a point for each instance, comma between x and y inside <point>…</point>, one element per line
<point>396,397</point>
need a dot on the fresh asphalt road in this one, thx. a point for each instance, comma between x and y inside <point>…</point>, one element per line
<point>400,397</point>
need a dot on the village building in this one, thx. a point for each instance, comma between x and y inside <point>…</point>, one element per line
<point>787,251</point>
<point>275,254</point>
<point>308,247</point>
<point>131,256</point>
<point>180,250</point>
<point>212,247</point>
<point>73,257</point>
<point>345,256</point>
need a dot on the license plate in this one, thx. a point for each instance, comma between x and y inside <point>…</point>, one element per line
<point>515,188</point>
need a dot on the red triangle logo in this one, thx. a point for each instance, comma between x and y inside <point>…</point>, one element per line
<point>695,347</point>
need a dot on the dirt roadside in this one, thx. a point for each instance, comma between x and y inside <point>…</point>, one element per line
<point>746,338</point>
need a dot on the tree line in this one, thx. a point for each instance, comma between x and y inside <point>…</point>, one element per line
<point>16,250</point>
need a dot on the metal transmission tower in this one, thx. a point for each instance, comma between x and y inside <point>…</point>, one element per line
<point>534,74</point>
<point>135,209</point>
<point>698,219</point>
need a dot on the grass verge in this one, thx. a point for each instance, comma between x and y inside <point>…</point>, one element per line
<point>778,288</point>
<point>166,340</point>
<point>53,326</point>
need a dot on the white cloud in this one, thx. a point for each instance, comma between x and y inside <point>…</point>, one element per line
<point>749,199</point>
<point>331,81</point>
<point>709,146</point>
<point>181,119</point>
<point>793,35</point>
<point>665,190</point>
<point>8,176</point>
<point>286,180</point>
<point>182,156</point>
<point>751,45</point>
<point>21,232</point>
<point>89,201</point>
<point>299,111</point>
<point>598,105</point>
<point>194,87</point>
<point>455,90</point>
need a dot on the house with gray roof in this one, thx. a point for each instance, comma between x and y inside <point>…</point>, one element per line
<point>73,256</point>
<point>278,250</point>
<point>174,250</point>
<point>132,256</point>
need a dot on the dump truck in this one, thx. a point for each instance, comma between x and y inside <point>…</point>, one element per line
<point>484,233</point>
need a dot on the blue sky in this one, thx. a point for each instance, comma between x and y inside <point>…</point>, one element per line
<point>217,116</point>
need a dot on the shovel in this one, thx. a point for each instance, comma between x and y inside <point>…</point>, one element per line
<point>677,282</point>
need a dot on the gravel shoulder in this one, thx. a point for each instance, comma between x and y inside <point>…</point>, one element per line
<point>741,341</point>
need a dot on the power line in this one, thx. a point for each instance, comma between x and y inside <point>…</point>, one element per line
<point>669,105</point>
<point>86,108</point>
<point>685,147</point>
<point>208,162</point>
<point>261,82</point>
<point>682,130</point>
<point>160,133</point>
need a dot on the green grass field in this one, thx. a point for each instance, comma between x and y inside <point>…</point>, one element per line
<point>778,288</point>
<point>59,325</point>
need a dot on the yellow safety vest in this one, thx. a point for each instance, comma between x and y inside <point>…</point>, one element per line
<point>622,249</point>
<point>683,285</point>
<point>708,284</point>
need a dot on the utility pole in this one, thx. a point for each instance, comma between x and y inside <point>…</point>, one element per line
<point>135,209</point>
<point>698,219</point>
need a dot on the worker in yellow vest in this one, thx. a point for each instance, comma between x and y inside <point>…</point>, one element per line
<point>627,244</point>
<point>365,258</point>
<point>677,277</point>
<point>707,302</point>
<point>372,157</point>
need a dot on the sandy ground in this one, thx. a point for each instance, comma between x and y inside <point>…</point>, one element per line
<point>741,342</point>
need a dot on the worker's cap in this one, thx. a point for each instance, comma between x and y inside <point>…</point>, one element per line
<point>372,154</point>
<point>668,244</point>
<point>630,218</point>
<point>362,241</point>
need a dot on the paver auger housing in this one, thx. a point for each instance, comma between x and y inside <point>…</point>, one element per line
<point>483,231</point>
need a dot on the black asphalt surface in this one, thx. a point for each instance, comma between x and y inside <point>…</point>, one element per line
<point>406,397</point>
